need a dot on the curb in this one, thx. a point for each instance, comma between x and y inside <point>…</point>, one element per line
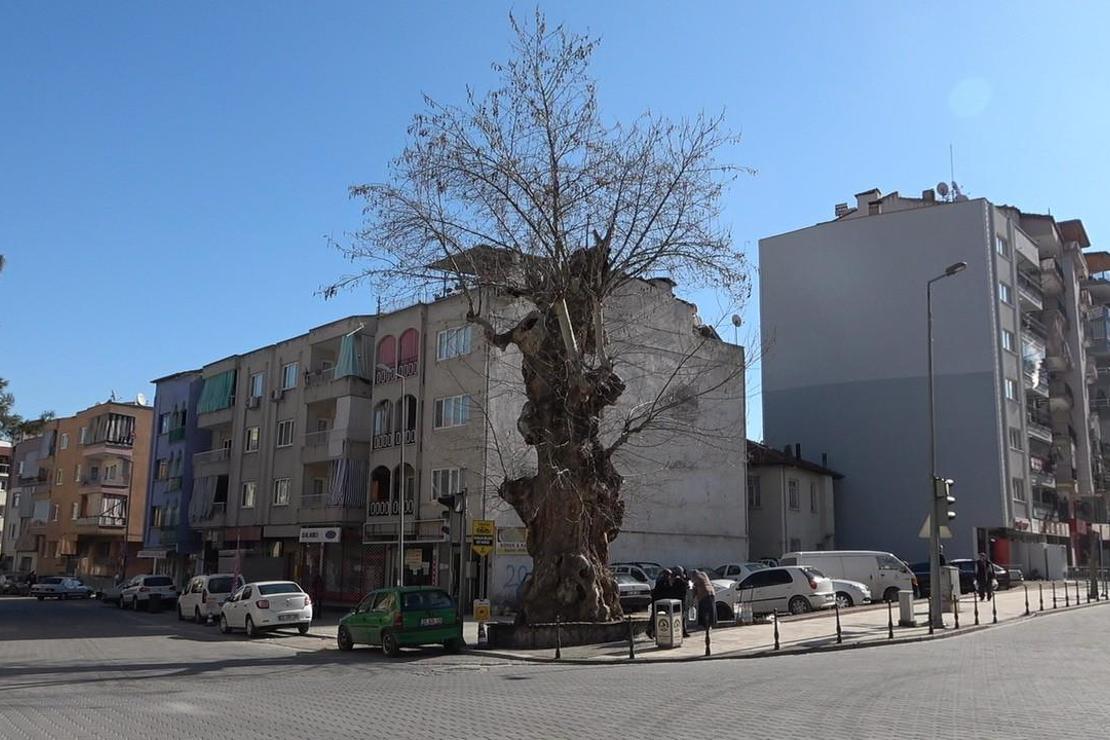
<point>771,653</point>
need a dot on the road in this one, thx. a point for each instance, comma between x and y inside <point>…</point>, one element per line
<point>83,669</point>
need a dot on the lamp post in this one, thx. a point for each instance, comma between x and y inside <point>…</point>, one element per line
<point>935,618</point>
<point>401,482</point>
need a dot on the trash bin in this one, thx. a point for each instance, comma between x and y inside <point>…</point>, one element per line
<point>949,586</point>
<point>668,623</point>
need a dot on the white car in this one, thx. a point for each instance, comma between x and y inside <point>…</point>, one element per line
<point>56,587</point>
<point>850,593</point>
<point>267,605</point>
<point>737,571</point>
<point>205,595</point>
<point>786,589</point>
<point>139,590</point>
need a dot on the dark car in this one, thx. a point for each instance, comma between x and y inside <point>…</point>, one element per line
<point>15,584</point>
<point>967,572</point>
<point>921,571</point>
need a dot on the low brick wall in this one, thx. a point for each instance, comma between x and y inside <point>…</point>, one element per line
<point>539,636</point>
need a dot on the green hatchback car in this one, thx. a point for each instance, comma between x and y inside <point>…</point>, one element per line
<point>396,617</point>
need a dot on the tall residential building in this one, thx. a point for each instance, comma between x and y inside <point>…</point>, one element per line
<point>843,308</point>
<point>5,470</point>
<point>83,484</point>
<point>29,508</point>
<point>317,443</point>
<point>169,540</point>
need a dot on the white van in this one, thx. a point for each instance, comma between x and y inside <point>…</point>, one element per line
<point>883,573</point>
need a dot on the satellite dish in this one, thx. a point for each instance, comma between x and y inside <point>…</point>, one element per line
<point>942,188</point>
<point>736,320</point>
<point>140,398</point>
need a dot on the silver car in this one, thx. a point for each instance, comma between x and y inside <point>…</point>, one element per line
<point>850,593</point>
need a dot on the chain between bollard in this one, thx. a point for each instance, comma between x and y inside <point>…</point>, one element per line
<point>558,637</point>
<point>889,620</point>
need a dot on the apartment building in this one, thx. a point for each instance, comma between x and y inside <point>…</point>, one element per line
<point>169,540</point>
<point>790,501</point>
<point>843,303</point>
<point>5,477</point>
<point>29,477</point>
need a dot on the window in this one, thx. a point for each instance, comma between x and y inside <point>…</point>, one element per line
<point>281,492</point>
<point>1001,246</point>
<point>1015,438</point>
<point>812,500</point>
<point>59,477</point>
<point>165,423</point>
<point>163,469</point>
<point>795,543</point>
<point>792,494</point>
<point>249,490</point>
<point>20,468</point>
<point>453,343</point>
<point>1008,340</point>
<point>252,440</point>
<point>1017,489</point>
<point>84,434</point>
<point>75,510</point>
<point>77,473</point>
<point>257,381</point>
<point>446,480</point>
<point>53,512</point>
<point>65,441</point>
<point>285,433</point>
<point>754,495</point>
<point>452,411</point>
<point>889,562</point>
<point>318,486</point>
<point>1005,294</point>
<point>289,376</point>
<point>1011,389</point>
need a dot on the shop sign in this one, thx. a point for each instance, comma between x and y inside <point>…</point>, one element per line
<point>512,541</point>
<point>319,534</point>
<point>482,533</point>
<point>152,554</point>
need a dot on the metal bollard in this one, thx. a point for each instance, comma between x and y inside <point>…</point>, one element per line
<point>708,626</point>
<point>890,620</point>
<point>631,640</point>
<point>1040,594</point>
<point>1077,593</point>
<point>558,637</point>
<point>975,605</point>
<point>776,618</point>
<point>1067,594</point>
<point>1054,594</point>
<point>839,634</point>
<point>994,610</point>
<point>1026,600</point>
<point>956,609</point>
<point>1088,594</point>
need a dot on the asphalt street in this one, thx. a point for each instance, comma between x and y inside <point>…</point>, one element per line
<point>83,669</point>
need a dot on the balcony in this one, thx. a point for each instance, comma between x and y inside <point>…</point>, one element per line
<point>216,418</point>
<point>394,439</point>
<point>416,530</point>
<point>177,435</point>
<point>1029,294</point>
<point>121,448</point>
<point>89,484</point>
<point>320,501</point>
<point>1100,405</point>
<point>102,524</point>
<point>1038,384</point>
<point>323,385</point>
<point>405,369</point>
<point>1062,398</point>
<point>212,462</point>
<point>1037,430</point>
<point>329,444</point>
<point>380,509</point>
<point>1040,472</point>
<point>1052,277</point>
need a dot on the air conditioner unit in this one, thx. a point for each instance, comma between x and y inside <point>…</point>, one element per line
<point>276,395</point>
<point>253,401</point>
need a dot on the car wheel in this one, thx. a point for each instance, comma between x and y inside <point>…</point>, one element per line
<point>224,626</point>
<point>389,645</point>
<point>843,600</point>
<point>800,605</point>
<point>891,594</point>
<point>303,628</point>
<point>453,645</point>
<point>343,639</point>
<point>252,632</point>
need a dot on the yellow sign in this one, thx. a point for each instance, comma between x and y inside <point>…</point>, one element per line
<point>481,610</point>
<point>482,533</point>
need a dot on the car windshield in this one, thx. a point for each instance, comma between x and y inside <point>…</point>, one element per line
<point>269,589</point>
<point>221,585</point>
<point>52,581</point>
<point>651,570</point>
<point>417,600</point>
<point>158,581</point>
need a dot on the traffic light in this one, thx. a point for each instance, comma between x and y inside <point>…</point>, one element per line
<point>452,504</point>
<point>942,490</point>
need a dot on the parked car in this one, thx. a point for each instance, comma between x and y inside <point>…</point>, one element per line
<point>651,570</point>
<point>1017,575</point>
<point>266,605</point>
<point>635,595</point>
<point>850,593</point>
<point>14,584</point>
<point>882,572</point>
<point>737,571</point>
<point>396,617</point>
<point>791,589</point>
<point>138,591</point>
<point>57,587</point>
<point>967,575</point>
<point>203,596</point>
<point>632,570</point>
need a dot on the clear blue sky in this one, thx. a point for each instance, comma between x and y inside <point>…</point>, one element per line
<point>167,176</point>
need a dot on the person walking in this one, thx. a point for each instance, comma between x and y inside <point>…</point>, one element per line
<point>681,591</point>
<point>664,587</point>
<point>704,593</point>
<point>984,577</point>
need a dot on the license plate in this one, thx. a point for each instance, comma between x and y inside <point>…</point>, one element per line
<point>286,617</point>
<point>430,621</point>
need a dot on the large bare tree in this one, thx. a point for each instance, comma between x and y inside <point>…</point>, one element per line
<point>528,194</point>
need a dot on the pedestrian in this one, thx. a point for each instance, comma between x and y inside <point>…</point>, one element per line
<point>984,577</point>
<point>664,587</point>
<point>705,595</point>
<point>32,579</point>
<point>680,589</point>
<point>317,595</point>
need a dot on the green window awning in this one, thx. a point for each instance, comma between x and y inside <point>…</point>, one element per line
<point>218,393</point>
<point>350,357</point>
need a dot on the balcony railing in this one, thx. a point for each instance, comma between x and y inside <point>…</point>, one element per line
<point>408,369</point>
<point>119,481</point>
<point>1030,292</point>
<point>104,520</point>
<point>1038,430</point>
<point>405,369</point>
<point>381,441</point>
<point>320,501</point>
<point>212,456</point>
<point>176,435</point>
<point>389,508</point>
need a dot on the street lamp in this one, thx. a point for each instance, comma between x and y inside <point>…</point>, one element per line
<point>934,519</point>
<point>401,482</point>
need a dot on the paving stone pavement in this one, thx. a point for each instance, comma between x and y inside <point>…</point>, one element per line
<point>77,669</point>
